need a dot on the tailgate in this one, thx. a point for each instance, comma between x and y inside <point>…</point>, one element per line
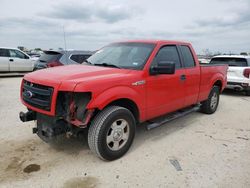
<point>235,74</point>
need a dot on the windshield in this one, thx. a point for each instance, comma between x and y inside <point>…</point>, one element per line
<point>236,62</point>
<point>123,55</point>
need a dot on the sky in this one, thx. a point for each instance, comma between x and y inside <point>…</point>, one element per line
<point>217,25</point>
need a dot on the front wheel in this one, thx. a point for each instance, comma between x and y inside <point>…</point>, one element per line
<point>210,105</point>
<point>111,133</point>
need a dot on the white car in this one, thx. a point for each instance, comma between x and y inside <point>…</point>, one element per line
<point>204,61</point>
<point>15,60</point>
<point>238,75</point>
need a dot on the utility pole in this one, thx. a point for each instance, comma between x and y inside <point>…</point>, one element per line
<point>65,46</point>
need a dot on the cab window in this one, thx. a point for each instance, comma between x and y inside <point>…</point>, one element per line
<point>168,54</point>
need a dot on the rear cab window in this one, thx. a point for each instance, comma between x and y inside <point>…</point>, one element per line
<point>230,61</point>
<point>79,58</point>
<point>187,57</point>
<point>49,56</point>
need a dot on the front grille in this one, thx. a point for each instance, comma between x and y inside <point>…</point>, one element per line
<point>37,95</point>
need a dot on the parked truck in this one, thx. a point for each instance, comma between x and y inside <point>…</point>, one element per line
<point>120,86</point>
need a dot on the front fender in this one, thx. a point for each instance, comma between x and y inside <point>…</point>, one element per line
<point>101,100</point>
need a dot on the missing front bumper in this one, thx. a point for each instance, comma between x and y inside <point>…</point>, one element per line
<point>48,128</point>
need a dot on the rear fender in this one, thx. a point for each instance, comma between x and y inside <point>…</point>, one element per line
<point>215,78</point>
<point>207,85</point>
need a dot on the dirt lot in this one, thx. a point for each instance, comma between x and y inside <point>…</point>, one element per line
<point>195,151</point>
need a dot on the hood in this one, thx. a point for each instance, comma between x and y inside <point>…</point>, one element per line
<point>74,74</point>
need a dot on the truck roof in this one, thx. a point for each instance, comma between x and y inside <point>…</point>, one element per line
<point>155,41</point>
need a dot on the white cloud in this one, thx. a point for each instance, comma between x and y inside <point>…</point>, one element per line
<point>220,25</point>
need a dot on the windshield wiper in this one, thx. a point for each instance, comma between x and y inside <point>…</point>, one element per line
<point>107,65</point>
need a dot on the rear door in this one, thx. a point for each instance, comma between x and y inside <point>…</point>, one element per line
<point>4,60</point>
<point>192,75</point>
<point>20,62</point>
<point>166,93</point>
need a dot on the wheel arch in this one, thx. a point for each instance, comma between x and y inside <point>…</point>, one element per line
<point>128,104</point>
<point>219,84</point>
<point>217,80</point>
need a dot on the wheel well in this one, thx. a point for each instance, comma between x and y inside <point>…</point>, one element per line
<point>219,84</point>
<point>129,104</point>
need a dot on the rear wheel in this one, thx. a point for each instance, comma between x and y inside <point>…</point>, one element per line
<point>111,133</point>
<point>210,105</point>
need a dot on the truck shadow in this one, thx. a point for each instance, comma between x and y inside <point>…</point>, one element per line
<point>71,146</point>
<point>143,135</point>
<point>231,92</point>
<point>75,145</point>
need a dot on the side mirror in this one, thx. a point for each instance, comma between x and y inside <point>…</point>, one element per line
<point>163,67</point>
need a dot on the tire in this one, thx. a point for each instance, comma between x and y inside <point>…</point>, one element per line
<point>210,105</point>
<point>111,133</point>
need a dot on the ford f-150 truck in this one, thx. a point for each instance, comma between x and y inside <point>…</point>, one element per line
<point>120,86</point>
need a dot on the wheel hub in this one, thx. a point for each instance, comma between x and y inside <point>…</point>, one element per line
<point>214,100</point>
<point>117,135</point>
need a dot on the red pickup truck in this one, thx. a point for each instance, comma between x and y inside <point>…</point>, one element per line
<point>120,86</point>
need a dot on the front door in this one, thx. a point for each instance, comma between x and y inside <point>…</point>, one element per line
<point>166,93</point>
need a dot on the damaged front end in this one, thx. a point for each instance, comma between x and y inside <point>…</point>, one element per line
<point>71,116</point>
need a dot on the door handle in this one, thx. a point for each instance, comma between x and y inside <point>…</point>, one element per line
<point>183,77</point>
<point>11,59</point>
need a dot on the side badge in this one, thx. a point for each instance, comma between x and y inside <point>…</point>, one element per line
<point>141,82</point>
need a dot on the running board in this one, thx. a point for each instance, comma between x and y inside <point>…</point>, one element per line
<point>173,116</point>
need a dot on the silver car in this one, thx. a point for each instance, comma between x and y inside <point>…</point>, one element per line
<point>15,60</point>
<point>52,58</point>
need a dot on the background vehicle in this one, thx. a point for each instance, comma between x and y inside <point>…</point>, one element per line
<point>124,84</point>
<point>53,58</point>
<point>34,56</point>
<point>238,72</point>
<point>202,61</point>
<point>15,60</point>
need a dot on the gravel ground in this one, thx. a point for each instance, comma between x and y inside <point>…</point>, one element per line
<point>194,151</point>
